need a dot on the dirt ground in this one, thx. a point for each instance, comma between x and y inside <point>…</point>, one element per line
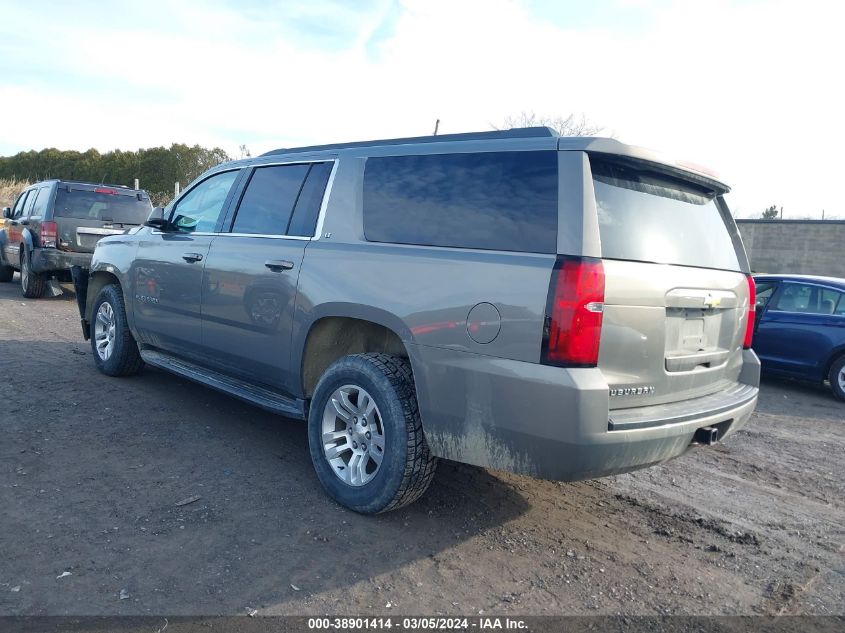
<point>93,469</point>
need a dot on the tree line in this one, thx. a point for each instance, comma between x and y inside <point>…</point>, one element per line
<point>156,168</point>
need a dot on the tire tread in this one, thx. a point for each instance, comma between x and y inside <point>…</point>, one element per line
<point>129,360</point>
<point>419,465</point>
<point>37,281</point>
<point>833,377</point>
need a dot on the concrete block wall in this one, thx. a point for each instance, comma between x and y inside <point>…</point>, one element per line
<point>810,247</point>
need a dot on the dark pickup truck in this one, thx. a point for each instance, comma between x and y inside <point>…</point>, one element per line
<point>56,224</point>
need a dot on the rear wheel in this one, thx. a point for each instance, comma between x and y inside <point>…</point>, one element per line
<point>114,348</point>
<point>365,434</point>
<point>6,274</point>
<point>837,378</point>
<point>32,284</point>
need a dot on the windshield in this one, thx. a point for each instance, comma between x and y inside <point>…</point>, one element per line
<point>651,217</point>
<point>102,206</point>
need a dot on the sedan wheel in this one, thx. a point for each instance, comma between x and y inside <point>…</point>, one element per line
<point>837,378</point>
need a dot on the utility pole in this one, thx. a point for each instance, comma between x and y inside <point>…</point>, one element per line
<point>436,127</point>
<point>137,183</point>
<point>176,190</point>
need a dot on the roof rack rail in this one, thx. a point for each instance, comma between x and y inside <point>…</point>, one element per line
<point>513,133</point>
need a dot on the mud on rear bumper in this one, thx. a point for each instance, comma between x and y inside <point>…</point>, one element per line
<point>52,259</point>
<point>555,424</point>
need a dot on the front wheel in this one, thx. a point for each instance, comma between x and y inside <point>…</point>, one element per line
<point>365,435</point>
<point>112,344</point>
<point>837,378</point>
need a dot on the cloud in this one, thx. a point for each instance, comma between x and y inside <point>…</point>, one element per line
<point>749,88</point>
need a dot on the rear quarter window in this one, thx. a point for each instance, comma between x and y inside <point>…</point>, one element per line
<point>39,209</point>
<point>651,217</point>
<point>497,201</point>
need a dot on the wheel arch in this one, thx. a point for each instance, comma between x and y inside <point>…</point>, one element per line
<point>337,330</point>
<point>334,336</point>
<point>835,355</point>
<point>27,243</point>
<point>97,280</point>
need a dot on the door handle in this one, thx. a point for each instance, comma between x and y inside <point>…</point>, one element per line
<point>192,257</point>
<point>278,265</point>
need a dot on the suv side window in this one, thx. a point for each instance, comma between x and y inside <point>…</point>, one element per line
<point>267,203</point>
<point>303,222</point>
<point>19,205</point>
<point>40,207</point>
<point>199,209</point>
<point>503,201</point>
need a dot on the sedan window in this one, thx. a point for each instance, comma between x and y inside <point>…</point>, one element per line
<point>765,289</point>
<point>832,302</point>
<point>810,299</point>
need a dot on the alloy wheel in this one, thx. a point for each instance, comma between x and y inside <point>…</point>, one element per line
<point>353,435</point>
<point>104,329</point>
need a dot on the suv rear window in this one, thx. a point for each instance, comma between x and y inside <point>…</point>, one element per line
<point>495,200</point>
<point>651,217</point>
<point>106,207</point>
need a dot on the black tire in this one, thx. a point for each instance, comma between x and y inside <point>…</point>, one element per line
<point>33,284</point>
<point>407,466</point>
<point>6,274</point>
<point>124,359</point>
<point>836,370</point>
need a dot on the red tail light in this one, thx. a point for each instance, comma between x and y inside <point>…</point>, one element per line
<point>752,312</point>
<point>110,192</point>
<point>49,234</point>
<point>574,313</point>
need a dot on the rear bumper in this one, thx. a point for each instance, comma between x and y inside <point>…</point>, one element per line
<point>49,259</point>
<point>555,424</point>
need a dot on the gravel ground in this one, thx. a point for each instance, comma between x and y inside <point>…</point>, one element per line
<point>152,495</point>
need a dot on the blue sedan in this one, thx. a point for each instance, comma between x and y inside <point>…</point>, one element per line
<point>800,328</point>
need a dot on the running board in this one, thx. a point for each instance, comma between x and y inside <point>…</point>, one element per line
<point>260,397</point>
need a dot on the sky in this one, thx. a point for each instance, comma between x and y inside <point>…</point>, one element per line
<point>753,89</point>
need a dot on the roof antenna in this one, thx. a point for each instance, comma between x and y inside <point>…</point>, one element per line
<point>436,127</point>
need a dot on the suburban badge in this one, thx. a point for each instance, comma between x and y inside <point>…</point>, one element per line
<point>632,391</point>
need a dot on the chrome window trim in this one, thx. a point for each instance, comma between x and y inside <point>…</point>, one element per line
<point>157,232</point>
<point>299,238</point>
<point>321,216</point>
<point>95,231</point>
<point>820,314</point>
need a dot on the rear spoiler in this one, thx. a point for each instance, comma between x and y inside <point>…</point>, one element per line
<point>611,148</point>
